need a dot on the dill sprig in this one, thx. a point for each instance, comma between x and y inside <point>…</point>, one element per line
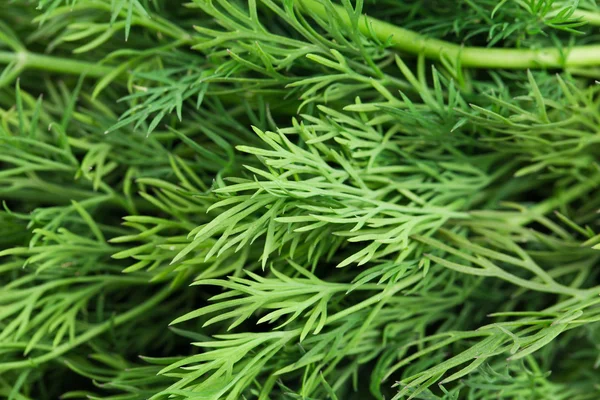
<point>305,199</point>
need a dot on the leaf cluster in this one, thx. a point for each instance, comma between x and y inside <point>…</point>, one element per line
<point>266,199</point>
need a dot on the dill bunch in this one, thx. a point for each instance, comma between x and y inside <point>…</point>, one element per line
<point>299,199</point>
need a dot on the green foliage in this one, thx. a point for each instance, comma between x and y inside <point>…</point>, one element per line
<point>285,199</point>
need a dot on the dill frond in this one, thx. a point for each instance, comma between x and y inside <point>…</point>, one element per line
<point>299,199</point>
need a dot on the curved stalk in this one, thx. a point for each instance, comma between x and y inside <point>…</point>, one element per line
<point>592,18</point>
<point>27,60</point>
<point>402,39</point>
<point>474,57</point>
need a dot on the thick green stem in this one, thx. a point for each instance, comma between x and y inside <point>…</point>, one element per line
<point>592,18</point>
<point>27,60</point>
<point>400,38</point>
<point>473,57</point>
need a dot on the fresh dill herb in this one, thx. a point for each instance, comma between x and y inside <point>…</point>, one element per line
<point>299,199</point>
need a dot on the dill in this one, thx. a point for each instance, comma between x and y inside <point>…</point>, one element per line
<point>299,199</point>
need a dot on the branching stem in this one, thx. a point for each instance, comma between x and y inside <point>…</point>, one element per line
<point>27,60</point>
<point>402,39</point>
<point>474,57</point>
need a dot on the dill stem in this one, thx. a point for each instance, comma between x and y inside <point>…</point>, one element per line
<point>403,284</point>
<point>27,60</point>
<point>91,333</point>
<point>558,201</point>
<point>592,18</point>
<point>474,57</point>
